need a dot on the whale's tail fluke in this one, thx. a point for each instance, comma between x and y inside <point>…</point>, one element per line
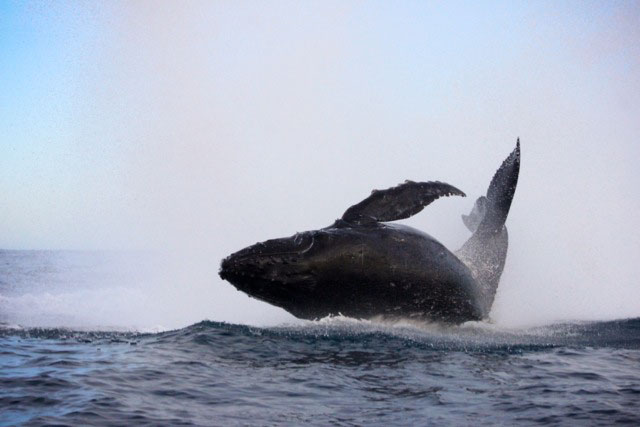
<point>500,193</point>
<point>486,250</point>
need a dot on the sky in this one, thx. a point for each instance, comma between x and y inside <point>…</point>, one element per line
<point>202,127</point>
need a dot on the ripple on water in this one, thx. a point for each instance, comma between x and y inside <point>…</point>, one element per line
<point>327,372</point>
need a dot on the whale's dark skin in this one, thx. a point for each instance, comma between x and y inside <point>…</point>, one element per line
<point>361,266</point>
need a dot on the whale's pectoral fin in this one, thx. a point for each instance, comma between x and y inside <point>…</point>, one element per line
<point>399,202</point>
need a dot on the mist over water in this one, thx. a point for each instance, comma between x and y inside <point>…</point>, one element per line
<point>182,133</point>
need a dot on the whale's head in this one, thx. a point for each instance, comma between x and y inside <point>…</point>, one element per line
<point>293,272</point>
<point>280,271</point>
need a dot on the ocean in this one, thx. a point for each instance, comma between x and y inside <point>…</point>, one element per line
<point>335,371</point>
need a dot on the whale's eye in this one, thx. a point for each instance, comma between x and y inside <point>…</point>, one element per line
<point>303,241</point>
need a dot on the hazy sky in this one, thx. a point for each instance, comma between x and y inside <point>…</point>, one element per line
<point>207,126</point>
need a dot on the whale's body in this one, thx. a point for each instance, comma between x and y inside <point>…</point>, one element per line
<point>362,266</point>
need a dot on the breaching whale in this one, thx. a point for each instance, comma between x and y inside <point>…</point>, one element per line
<point>362,266</point>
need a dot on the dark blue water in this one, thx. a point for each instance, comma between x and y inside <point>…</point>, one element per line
<point>341,373</point>
<point>332,372</point>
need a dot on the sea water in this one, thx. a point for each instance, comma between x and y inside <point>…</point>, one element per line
<point>335,371</point>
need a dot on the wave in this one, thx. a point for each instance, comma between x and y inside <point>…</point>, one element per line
<point>343,331</point>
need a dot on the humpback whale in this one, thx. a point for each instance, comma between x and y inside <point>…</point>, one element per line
<point>364,266</point>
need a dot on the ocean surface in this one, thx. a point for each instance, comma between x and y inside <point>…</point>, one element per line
<point>335,371</point>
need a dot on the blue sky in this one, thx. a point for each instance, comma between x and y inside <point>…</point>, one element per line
<point>84,86</point>
<point>44,57</point>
